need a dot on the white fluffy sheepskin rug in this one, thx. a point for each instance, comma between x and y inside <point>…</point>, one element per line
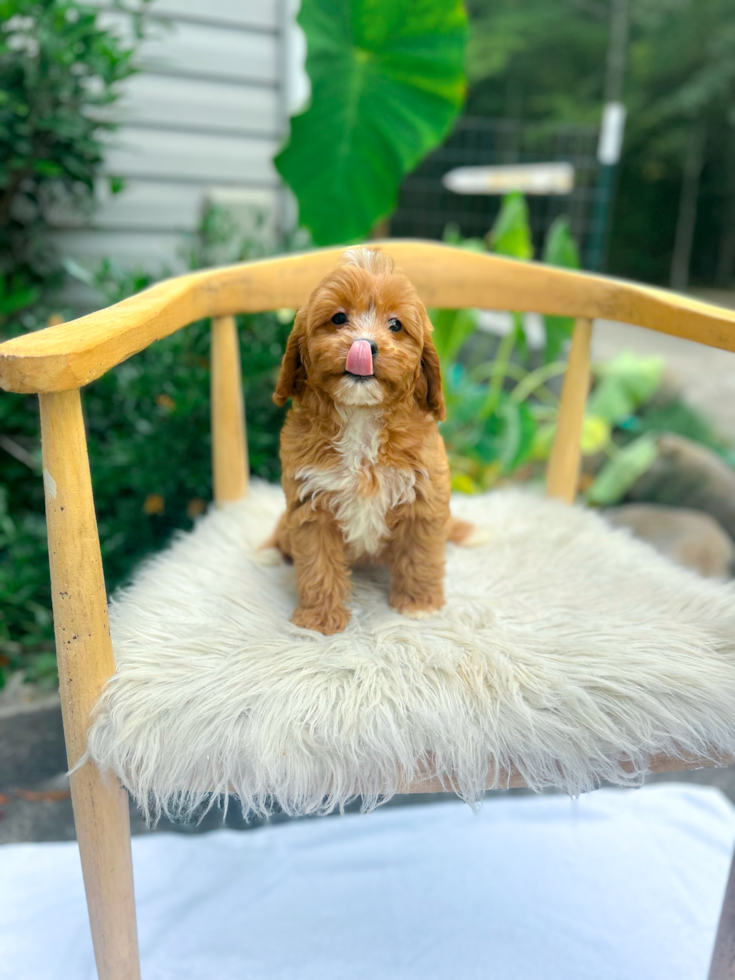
<point>567,651</point>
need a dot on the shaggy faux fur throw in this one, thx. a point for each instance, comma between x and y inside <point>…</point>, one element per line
<point>567,651</point>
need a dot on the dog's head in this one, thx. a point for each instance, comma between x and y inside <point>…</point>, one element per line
<point>364,338</point>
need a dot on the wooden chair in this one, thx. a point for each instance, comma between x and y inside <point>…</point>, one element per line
<point>55,363</point>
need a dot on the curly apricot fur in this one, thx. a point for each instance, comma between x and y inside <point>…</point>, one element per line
<point>365,472</point>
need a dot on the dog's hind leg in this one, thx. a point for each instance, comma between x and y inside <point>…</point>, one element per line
<point>466,534</point>
<point>277,547</point>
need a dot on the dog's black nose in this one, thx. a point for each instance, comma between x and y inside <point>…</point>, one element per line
<point>373,345</point>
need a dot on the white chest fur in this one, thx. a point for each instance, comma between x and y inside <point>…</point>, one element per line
<point>362,490</point>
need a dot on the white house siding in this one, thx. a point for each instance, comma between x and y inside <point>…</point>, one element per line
<point>207,111</point>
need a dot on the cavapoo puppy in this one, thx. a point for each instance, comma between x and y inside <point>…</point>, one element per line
<point>365,472</point>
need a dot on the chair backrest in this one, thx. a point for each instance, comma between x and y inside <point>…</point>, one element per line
<point>71,355</point>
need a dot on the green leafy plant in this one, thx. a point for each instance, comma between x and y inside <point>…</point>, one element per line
<point>675,415</point>
<point>624,386</point>
<point>502,411</point>
<point>497,407</point>
<point>151,408</point>
<point>60,71</point>
<point>621,472</point>
<point>559,249</point>
<point>387,79</point>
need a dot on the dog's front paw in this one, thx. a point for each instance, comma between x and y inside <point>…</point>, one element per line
<point>416,607</point>
<point>326,621</point>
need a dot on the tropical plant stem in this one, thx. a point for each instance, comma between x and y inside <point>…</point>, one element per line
<point>535,379</point>
<point>500,369</point>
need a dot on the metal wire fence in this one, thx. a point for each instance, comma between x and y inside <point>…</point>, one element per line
<point>426,207</point>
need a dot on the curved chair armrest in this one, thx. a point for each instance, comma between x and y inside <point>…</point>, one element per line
<point>73,354</point>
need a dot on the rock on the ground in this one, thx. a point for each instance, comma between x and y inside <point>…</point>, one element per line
<point>689,475</point>
<point>689,537</point>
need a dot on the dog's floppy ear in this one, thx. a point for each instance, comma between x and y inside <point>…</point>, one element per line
<point>293,374</point>
<point>428,389</point>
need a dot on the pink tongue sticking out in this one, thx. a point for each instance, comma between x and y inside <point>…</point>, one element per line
<point>360,358</point>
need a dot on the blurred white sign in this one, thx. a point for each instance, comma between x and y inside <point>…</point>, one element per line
<point>531,178</point>
<point>611,133</point>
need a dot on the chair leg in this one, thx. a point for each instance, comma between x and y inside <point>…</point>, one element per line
<point>85,659</point>
<point>722,965</point>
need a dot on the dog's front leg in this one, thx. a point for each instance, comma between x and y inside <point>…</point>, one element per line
<point>322,576</point>
<point>416,562</point>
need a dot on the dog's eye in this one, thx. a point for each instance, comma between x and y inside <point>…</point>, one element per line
<point>394,325</point>
<point>339,319</point>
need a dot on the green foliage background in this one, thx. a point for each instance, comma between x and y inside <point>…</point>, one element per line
<point>150,453</point>
<point>148,420</point>
<point>543,61</point>
<point>60,70</point>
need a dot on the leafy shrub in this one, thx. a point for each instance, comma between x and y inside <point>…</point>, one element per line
<point>60,71</point>
<point>498,407</point>
<point>502,411</point>
<point>149,447</point>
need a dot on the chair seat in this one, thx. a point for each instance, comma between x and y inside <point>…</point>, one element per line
<point>567,653</point>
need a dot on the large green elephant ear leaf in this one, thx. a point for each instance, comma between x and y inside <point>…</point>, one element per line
<point>387,79</point>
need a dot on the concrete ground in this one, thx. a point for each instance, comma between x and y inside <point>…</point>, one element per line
<point>34,796</point>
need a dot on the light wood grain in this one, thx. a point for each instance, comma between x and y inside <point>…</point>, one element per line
<point>85,661</point>
<point>229,439</point>
<point>562,473</point>
<point>75,353</point>
<point>722,964</point>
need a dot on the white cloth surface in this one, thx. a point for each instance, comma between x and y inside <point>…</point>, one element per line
<point>618,885</point>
